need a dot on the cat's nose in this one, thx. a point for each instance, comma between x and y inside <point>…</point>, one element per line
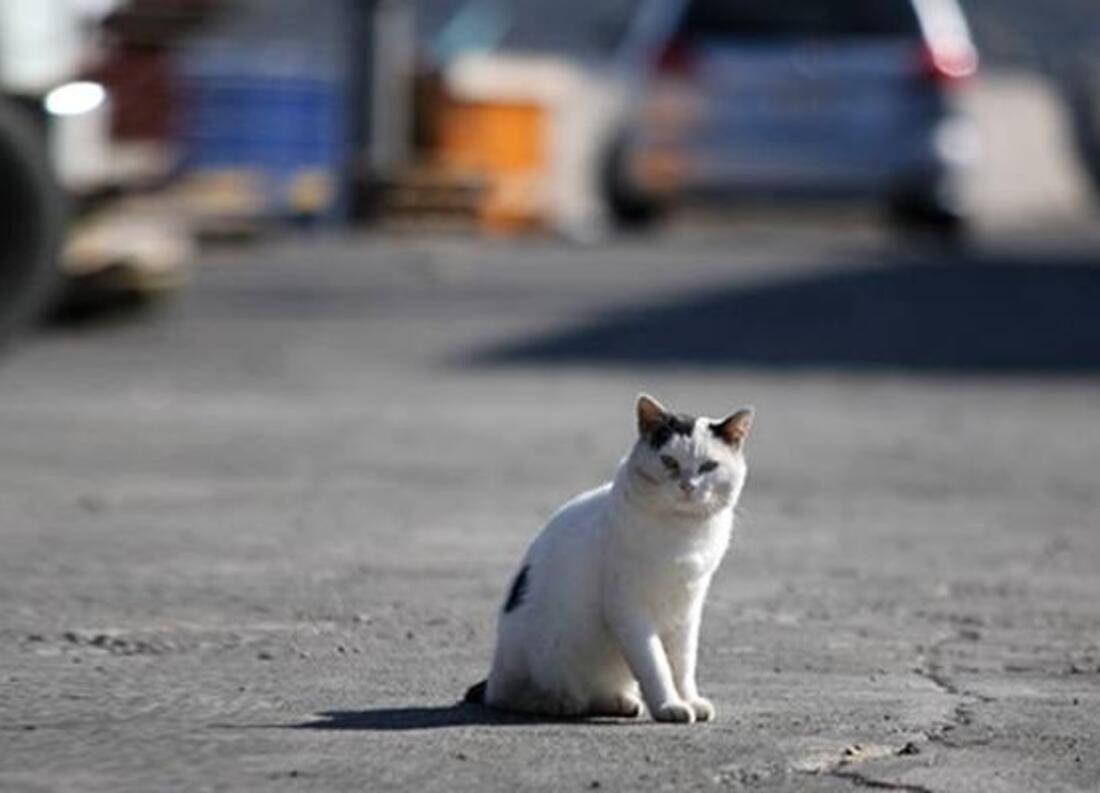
<point>687,486</point>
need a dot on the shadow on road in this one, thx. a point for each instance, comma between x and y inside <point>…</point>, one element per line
<point>91,309</point>
<point>414,718</point>
<point>973,314</point>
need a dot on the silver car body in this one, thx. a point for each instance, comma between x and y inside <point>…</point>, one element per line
<point>863,114</point>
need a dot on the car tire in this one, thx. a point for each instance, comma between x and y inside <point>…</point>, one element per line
<point>629,209</point>
<point>31,235</point>
<point>925,215</point>
<point>1081,86</point>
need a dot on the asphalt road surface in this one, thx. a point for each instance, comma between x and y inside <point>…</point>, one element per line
<point>255,538</point>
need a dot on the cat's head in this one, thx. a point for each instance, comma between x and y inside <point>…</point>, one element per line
<point>688,465</point>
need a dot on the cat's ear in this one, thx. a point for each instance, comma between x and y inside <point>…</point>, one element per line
<point>735,428</point>
<point>651,415</point>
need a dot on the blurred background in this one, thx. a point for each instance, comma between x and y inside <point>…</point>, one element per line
<point>133,133</point>
<point>314,310</point>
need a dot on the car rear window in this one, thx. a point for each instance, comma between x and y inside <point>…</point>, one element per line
<point>799,19</point>
<point>579,27</point>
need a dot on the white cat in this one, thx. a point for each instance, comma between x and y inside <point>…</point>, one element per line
<point>610,594</point>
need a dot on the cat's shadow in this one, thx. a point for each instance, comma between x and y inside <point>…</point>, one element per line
<point>418,718</point>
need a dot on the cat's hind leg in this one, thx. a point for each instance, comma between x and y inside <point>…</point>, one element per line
<point>617,704</point>
<point>614,692</point>
<point>523,696</point>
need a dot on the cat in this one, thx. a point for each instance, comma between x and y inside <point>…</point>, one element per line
<point>609,596</point>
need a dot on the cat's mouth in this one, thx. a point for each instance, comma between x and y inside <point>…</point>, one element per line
<point>697,502</point>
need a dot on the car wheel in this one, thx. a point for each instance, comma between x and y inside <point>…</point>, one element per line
<point>629,209</point>
<point>925,215</point>
<point>31,234</point>
<point>1081,84</point>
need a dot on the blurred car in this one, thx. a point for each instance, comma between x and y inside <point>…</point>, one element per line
<point>845,98</point>
<point>1079,78</point>
<point>61,168</point>
<point>41,107</point>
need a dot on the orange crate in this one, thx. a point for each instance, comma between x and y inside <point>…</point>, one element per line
<point>505,144</point>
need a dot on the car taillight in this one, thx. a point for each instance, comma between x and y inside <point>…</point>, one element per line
<point>947,65</point>
<point>676,59</point>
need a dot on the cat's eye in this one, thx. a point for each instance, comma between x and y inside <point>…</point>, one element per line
<point>707,466</point>
<point>670,463</point>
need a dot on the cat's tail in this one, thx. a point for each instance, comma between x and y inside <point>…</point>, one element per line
<point>475,694</point>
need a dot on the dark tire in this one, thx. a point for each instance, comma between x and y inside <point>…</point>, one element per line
<point>630,209</point>
<point>1081,86</point>
<point>32,225</point>
<point>923,215</point>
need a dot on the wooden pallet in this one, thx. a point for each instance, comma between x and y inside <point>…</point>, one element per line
<point>432,197</point>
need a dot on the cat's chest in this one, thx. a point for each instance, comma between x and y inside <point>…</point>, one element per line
<point>668,588</point>
<point>686,554</point>
<point>671,573</point>
<point>685,571</point>
<point>666,559</point>
<point>692,565</point>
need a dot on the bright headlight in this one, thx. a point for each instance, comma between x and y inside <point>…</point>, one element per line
<point>75,99</point>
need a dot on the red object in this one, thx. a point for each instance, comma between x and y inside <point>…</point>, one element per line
<point>677,59</point>
<point>947,66</point>
<point>143,92</point>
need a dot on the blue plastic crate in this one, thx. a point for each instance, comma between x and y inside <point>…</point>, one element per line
<point>250,114</point>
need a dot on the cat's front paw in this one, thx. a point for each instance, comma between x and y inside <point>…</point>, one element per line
<point>703,708</point>
<point>676,712</point>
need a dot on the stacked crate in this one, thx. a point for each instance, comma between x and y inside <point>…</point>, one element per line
<point>265,112</point>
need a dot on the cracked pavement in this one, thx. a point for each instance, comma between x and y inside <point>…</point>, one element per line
<point>255,539</point>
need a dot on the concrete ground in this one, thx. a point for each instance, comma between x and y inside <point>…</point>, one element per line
<point>255,539</point>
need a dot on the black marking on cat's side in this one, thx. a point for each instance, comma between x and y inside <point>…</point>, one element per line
<point>674,424</point>
<point>518,591</point>
<point>475,694</point>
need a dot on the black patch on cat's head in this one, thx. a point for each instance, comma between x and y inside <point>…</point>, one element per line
<point>518,591</point>
<point>673,424</point>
